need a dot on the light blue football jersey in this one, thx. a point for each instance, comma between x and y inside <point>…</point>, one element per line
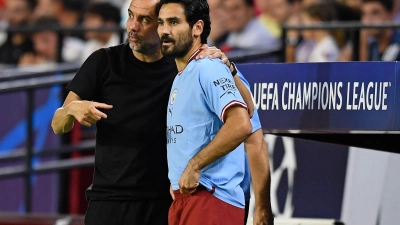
<point>198,100</point>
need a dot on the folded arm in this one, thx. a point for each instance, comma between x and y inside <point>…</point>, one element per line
<point>236,129</point>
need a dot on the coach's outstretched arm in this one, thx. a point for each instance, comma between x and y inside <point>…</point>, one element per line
<point>236,129</point>
<point>257,155</point>
<point>85,112</point>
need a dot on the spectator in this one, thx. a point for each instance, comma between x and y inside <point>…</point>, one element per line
<point>98,15</point>
<point>274,13</point>
<point>69,14</point>
<point>246,34</point>
<point>348,40</point>
<point>354,4</point>
<point>218,32</point>
<point>3,22</point>
<point>379,44</point>
<point>345,13</point>
<point>325,48</point>
<point>18,13</point>
<point>45,43</point>
<point>45,8</point>
<point>297,49</point>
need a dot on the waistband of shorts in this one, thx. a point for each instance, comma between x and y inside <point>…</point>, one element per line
<point>178,194</point>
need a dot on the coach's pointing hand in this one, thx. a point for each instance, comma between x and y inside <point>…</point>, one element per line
<point>189,179</point>
<point>86,112</point>
<point>74,108</point>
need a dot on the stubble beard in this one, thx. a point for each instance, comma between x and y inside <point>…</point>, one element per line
<point>146,47</point>
<point>178,51</point>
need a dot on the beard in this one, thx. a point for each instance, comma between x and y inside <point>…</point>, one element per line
<point>180,48</point>
<point>146,46</point>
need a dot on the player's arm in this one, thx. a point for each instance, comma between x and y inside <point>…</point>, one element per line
<point>236,129</point>
<point>245,93</point>
<point>85,112</point>
<point>214,52</point>
<point>257,155</point>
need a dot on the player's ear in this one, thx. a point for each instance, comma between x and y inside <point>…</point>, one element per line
<point>198,28</point>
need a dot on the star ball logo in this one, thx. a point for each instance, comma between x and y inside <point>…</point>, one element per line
<point>173,96</point>
<point>282,172</point>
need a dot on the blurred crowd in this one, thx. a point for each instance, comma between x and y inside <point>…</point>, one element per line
<point>45,45</point>
<point>239,28</point>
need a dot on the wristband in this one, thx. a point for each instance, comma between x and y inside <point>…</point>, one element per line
<point>234,72</point>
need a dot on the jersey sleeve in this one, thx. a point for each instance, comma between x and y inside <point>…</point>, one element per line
<point>219,88</point>
<point>255,120</point>
<point>88,78</point>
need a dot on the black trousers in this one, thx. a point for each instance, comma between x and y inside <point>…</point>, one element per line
<point>246,211</point>
<point>132,212</point>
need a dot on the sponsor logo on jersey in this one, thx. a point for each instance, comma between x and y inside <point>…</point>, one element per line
<point>227,86</point>
<point>173,130</point>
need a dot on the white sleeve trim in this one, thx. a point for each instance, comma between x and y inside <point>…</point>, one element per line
<point>230,104</point>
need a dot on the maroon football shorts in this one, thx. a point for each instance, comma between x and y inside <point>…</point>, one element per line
<point>203,208</point>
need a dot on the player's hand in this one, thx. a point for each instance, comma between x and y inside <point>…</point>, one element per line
<point>87,113</point>
<point>263,216</point>
<point>213,53</point>
<point>189,180</point>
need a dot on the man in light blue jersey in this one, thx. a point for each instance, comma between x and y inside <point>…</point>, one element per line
<point>207,119</point>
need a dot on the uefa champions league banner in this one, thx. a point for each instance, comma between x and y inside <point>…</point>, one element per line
<point>308,177</point>
<point>339,96</point>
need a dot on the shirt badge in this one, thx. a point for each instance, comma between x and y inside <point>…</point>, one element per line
<point>173,96</point>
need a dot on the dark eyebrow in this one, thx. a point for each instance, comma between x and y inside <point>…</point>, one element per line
<point>169,19</point>
<point>173,19</point>
<point>142,16</point>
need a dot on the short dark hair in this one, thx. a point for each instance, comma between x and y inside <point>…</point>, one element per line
<point>73,5</point>
<point>107,11</point>
<point>322,11</point>
<point>387,4</point>
<point>195,10</point>
<point>45,23</point>
<point>249,3</point>
<point>32,4</point>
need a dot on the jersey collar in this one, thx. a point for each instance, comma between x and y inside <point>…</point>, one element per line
<point>193,56</point>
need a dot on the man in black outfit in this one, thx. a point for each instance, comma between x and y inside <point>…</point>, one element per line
<point>124,91</point>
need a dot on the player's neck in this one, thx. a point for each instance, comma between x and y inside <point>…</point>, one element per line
<point>182,62</point>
